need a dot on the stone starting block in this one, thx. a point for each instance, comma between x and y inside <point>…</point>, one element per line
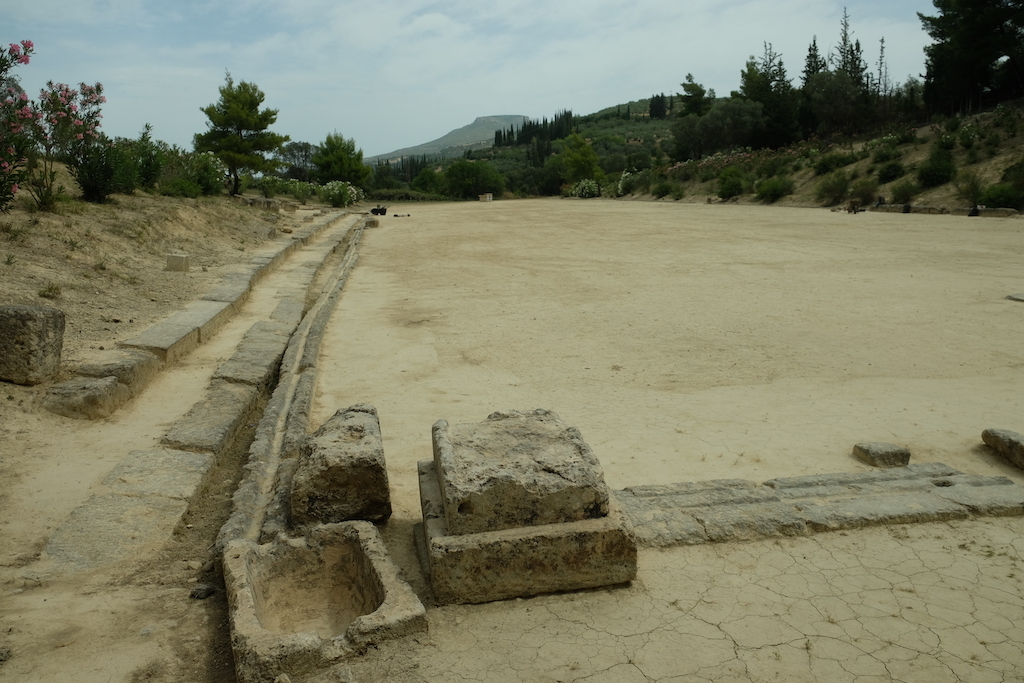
<point>517,506</point>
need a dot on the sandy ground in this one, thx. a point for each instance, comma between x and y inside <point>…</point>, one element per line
<point>692,342</point>
<point>686,342</point>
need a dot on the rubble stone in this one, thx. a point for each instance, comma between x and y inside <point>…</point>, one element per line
<point>878,454</point>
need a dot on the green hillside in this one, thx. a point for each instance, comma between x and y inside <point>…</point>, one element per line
<point>477,135</point>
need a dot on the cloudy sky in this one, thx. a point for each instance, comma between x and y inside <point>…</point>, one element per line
<point>397,73</point>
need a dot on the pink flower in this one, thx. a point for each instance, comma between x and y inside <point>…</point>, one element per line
<point>80,136</point>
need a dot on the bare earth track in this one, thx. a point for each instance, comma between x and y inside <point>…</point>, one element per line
<point>687,342</point>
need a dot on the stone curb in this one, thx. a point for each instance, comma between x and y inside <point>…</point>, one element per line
<point>725,510</point>
<point>175,336</point>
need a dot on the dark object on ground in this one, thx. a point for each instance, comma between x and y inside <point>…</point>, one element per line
<point>201,591</point>
<point>402,215</point>
<point>379,210</point>
<point>975,211</point>
<point>881,201</point>
<point>906,208</point>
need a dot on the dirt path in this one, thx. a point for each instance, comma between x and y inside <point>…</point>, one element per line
<point>692,342</point>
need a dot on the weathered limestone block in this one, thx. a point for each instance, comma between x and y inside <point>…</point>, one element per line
<point>516,469</point>
<point>341,473</point>
<point>31,342</point>
<point>177,262</point>
<point>1009,445</point>
<point>132,368</point>
<point>509,563</point>
<point>258,355</point>
<point>878,454</point>
<point>212,424</point>
<point>86,398</point>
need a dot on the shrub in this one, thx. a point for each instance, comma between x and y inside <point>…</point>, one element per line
<point>678,193</point>
<point>270,186</point>
<point>774,189</point>
<point>969,187</point>
<point>586,189</point>
<point>661,189</point>
<point>300,190</point>
<point>865,191</point>
<point>730,183</point>
<point>198,169</point>
<point>967,135</point>
<point>180,187</point>
<point>1002,195</point>
<point>938,169</point>
<point>832,189</point>
<point>340,194</point>
<point>946,141</point>
<point>886,153</point>
<point>1014,175</point>
<point>890,171</point>
<point>103,168</point>
<point>827,163</point>
<point>904,191</point>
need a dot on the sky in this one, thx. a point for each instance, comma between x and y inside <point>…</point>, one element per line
<point>397,73</point>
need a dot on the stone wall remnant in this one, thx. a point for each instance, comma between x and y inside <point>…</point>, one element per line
<point>31,343</point>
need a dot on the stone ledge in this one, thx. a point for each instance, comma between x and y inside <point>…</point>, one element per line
<point>699,512</point>
<point>212,423</point>
<point>510,563</point>
<point>86,398</point>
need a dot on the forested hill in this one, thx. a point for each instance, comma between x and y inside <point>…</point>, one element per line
<point>477,135</point>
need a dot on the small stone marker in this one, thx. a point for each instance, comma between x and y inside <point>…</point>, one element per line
<point>1009,445</point>
<point>177,262</point>
<point>31,342</point>
<point>341,474</point>
<point>879,454</point>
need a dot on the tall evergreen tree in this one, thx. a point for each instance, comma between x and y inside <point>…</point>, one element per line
<point>977,56</point>
<point>237,131</point>
<point>765,81</point>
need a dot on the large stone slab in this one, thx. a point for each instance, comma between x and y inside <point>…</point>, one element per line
<point>31,342</point>
<point>113,527</point>
<point>854,513</point>
<point>212,423</point>
<point>1009,445</point>
<point>86,398</point>
<point>509,563</point>
<point>341,473</point>
<point>516,469</point>
<point>165,340</point>
<point>160,472</point>
<point>258,356</point>
<point>132,368</point>
<point>300,605</point>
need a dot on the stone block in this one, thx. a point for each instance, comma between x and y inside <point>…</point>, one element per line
<point>160,472</point>
<point>509,563</point>
<point>31,342</point>
<point>233,289</point>
<point>206,316</point>
<point>113,527</point>
<point>212,424</point>
<point>742,522</point>
<point>516,469</point>
<point>300,605</point>
<point>132,368</point>
<point>854,513</point>
<point>1016,297</point>
<point>1009,445</point>
<point>258,356</point>
<point>86,398</point>
<point>166,341</point>
<point>177,263</point>
<point>341,473</point>
<point>878,454</point>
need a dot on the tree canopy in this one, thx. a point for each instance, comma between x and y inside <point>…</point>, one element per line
<point>977,56</point>
<point>238,131</point>
<point>338,159</point>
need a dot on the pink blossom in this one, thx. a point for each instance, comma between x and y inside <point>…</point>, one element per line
<point>80,136</point>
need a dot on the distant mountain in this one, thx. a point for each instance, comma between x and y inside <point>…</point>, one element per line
<point>477,135</point>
